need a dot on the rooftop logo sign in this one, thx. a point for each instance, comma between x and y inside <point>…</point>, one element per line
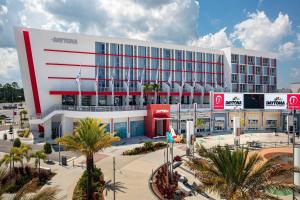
<point>64,40</point>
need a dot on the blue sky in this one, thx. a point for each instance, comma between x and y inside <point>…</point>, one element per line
<point>267,25</point>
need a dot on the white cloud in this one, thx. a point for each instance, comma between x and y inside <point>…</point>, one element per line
<point>258,32</point>
<point>295,72</point>
<point>216,41</point>
<point>8,65</point>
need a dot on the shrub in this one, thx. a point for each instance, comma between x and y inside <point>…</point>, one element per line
<point>98,184</point>
<point>4,136</point>
<point>177,158</point>
<point>147,147</point>
<point>17,142</point>
<point>47,148</point>
<point>26,132</point>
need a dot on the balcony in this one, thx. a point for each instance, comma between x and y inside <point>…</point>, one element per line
<point>59,107</point>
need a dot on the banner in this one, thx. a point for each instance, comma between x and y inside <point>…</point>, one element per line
<point>275,101</point>
<point>218,101</point>
<point>293,101</point>
<point>233,101</point>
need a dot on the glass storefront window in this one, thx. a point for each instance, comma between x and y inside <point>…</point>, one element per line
<point>86,100</point>
<point>69,100</point>
<point>252,124</point>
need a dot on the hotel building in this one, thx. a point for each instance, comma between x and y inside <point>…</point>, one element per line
<point>136,87</point>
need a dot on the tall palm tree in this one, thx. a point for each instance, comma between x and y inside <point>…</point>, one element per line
<point>24,150</point>
<point>237,175</point>
<point>88,138</point>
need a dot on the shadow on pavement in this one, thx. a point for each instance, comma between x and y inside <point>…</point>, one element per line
<point>109,186</point>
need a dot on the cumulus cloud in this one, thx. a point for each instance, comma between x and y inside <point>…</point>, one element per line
<point>216,41</point>
<point>258,32</point>
<point>8,65</point>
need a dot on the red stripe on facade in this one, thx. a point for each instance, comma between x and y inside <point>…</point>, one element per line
<point>128,56</point>
<point>35,92</point>
<point>108,93</point>
<point>129,68</point>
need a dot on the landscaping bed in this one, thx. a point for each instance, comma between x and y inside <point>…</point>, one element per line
<point>146,148</point>
<point>18,177</point>
<point>98,185</point>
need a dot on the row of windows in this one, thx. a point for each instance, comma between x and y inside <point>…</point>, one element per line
<point>243,69</point>
<point>171,71</point>
<point>252,79</point>
<point>251,60</point>
<point>253,88</point>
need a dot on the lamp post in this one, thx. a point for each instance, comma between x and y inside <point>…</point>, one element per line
<point>59,135</point>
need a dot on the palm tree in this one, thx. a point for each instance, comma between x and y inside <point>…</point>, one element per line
<point>238,175</point>
<point>39,155</point>
<point>88,138</point>
<point>24,150</point>
<point>7,160</point>
<point>13,156</point>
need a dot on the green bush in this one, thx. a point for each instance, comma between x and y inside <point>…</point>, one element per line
<point>17,142</point>
<point>98,184</point>
<point>47,148</point>
<point>26,132</point>
<point>147,147</point>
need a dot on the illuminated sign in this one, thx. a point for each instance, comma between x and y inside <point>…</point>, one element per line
<point>218,101</point>
<point>162,111</point>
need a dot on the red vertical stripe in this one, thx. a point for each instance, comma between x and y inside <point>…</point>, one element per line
<point>32,73</point>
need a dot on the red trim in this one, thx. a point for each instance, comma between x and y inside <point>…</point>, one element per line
<point>129,56</point>
<point>35,92</point>
<point>122,80</point>
<point>108,93</point>
<point>127,68</point>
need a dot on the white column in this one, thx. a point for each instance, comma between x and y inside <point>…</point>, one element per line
<point>128,128</point>
<point>67,125</point>
<point>297,164</point>
<point>48,129</point>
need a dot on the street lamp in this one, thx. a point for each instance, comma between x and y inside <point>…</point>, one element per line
<point>59,135</point>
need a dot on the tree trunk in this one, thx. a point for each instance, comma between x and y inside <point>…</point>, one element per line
<point>89,168</point>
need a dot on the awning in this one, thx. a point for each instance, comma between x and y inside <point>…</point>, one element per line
<point>219,118</point>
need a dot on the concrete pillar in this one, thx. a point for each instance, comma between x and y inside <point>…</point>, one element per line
<point>48,129</point>
<point>67,125</point>
<point>297,164</point>
<point>128,128</point>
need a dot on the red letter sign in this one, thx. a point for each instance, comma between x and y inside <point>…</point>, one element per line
<point>218,101</point>
<point>293,101</point>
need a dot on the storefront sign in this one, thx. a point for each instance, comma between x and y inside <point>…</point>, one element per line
<point>218,101</point>
<point>233,101</point>
<point>275,101</point>
<point>293,101</point>
<point>161,111</point>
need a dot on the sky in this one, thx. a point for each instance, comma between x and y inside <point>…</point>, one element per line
<point>266,25</point>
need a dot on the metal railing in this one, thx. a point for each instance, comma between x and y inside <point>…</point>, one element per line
<point>87,109</point>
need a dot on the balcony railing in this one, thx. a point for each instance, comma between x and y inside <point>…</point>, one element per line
<point>87,109</point>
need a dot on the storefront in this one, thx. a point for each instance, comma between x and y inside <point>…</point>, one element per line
<point>219,122</point>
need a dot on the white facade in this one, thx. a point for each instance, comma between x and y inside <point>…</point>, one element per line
<point>184,74</point>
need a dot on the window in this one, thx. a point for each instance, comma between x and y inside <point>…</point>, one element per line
<point>234,58</point>
<point>265,80</point>
<point>242,59</point>
<point>250,79</point>
<point>258,70</point>
<point>258,88</point>
<point>178,65</point>
<point>242,69</point>
<point>251,60</point>
<point>68,100</point>
<point>243,78</point>
<point>273,71</point>
<point>100,63</point>
<point>86,100</point>
<point>258,60</point>
<point>250,70</point>
<point>252,124</point>
<point>242,88</point>
<point>234,78</point>
<point>234,68</point>
<point>209,57</point>
<point>266,71</point>
<point>273,62</point>
<point>265,61</point>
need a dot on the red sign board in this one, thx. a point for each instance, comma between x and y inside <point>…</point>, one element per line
<point>218,101</point>
<point>293,101</point>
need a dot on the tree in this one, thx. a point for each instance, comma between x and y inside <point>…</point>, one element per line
<point>17,142</point>
<point>238,175</point>
<point>24,150</point>
<point>199,123</point>
<point>47,149</point>
<point>38,155</point>
<point>89,138</point>
<point>23,117</point>
<point>7,160</point>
